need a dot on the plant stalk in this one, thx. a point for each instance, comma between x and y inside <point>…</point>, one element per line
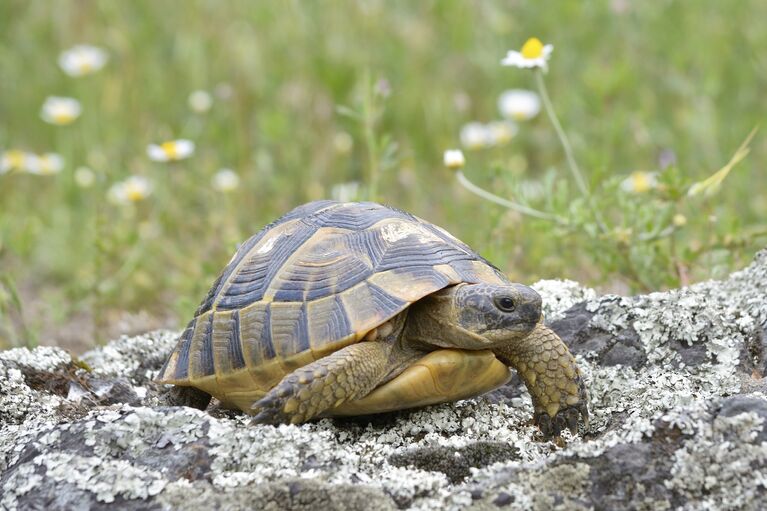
<point>525,210</point>
<point>368,119</point>
<point>571,163</point>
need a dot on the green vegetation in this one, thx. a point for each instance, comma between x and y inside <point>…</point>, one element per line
<point>310,95</point>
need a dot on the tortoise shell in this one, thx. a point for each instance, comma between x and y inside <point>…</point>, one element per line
<point>314,281</point>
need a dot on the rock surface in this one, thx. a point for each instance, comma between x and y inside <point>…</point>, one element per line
<point>678,412</point>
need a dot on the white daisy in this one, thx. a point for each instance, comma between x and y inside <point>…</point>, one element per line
<point>475,135</point>
<point>59,110</point>
<point>170,151</point>
<point>679,220</point>
<point>454,159</point>
<point>225,180</point>
<point>200,101</point>
<point>500,132</point>
<point>133,189</point>
<point>84,177</point>
<point>640,181</point>
<point>519,104</point>
<point>345,192</point>
<point>46,164</point>
<point>533,54</point>
<point>82,60</point>
<point>15,160</point>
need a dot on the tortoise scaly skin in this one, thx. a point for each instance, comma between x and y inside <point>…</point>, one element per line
<point>357,308</point>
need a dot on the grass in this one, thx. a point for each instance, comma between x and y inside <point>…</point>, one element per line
<point>292,81</point>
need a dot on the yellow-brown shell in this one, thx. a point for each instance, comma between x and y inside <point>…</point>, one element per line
<point>314,281</point>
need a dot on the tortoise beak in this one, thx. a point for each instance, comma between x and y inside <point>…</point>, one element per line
<point>529,304</point>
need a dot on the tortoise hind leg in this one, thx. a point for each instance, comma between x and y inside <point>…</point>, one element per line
<point>347,374</point>
<point>188,396</point>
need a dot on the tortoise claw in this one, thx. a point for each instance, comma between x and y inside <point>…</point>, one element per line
<point>270,410</point>
<point>568,417</point>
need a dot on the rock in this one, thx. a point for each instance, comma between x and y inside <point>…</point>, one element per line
<point>455,463</point>
<point>289,493</point>
<point>621,346</point>
<point>677,400</point>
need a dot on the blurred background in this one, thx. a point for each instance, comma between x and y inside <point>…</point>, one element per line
<point>106,231</point>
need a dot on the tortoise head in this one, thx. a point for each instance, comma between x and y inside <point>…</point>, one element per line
<point>475,316</point>
<point>498,313</point>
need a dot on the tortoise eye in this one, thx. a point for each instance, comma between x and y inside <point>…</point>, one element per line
<point>505,303</point>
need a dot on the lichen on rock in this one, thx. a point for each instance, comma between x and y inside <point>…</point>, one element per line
<point>677,401</point>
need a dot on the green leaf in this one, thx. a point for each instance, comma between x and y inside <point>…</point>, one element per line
<point>711,184</point>
<point>346,111</point>
<point>10,288</point>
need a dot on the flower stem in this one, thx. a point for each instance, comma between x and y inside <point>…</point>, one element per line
<point>525,210</point>
<point>571,163</point>
<point>368,120</point>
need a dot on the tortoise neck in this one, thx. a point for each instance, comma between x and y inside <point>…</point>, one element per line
<point>401,353</point>
<point>432,322</point>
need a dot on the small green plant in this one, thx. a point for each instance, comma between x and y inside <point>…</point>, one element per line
<point>632,224</point>
<point>380,148</point>
<point>13,327</point>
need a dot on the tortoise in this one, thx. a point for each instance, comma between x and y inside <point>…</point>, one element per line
<point>343,308</point>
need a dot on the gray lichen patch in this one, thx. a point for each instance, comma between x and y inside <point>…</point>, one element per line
<point>677,421</point>
<point>560,295</point>
<point>31,383</point>
<point>138,358</point>
<point>725,463</point>
<point>43,358</point>
<point>296,494</point>
<point>455,463</point>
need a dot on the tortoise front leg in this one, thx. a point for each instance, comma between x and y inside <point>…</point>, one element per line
<point>549,371</point>
<point>347,374</point>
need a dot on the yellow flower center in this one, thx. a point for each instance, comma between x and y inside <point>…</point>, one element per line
<point>62,117</point>
<point>503,133</point>
<point>533,48</point>
<point>641,181</point>
<point>84,64</point>
<point>45,165</point>
<point>169,148</point>
<point>679,220</point>
<point>134,193</point>
<point>15,159</point>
